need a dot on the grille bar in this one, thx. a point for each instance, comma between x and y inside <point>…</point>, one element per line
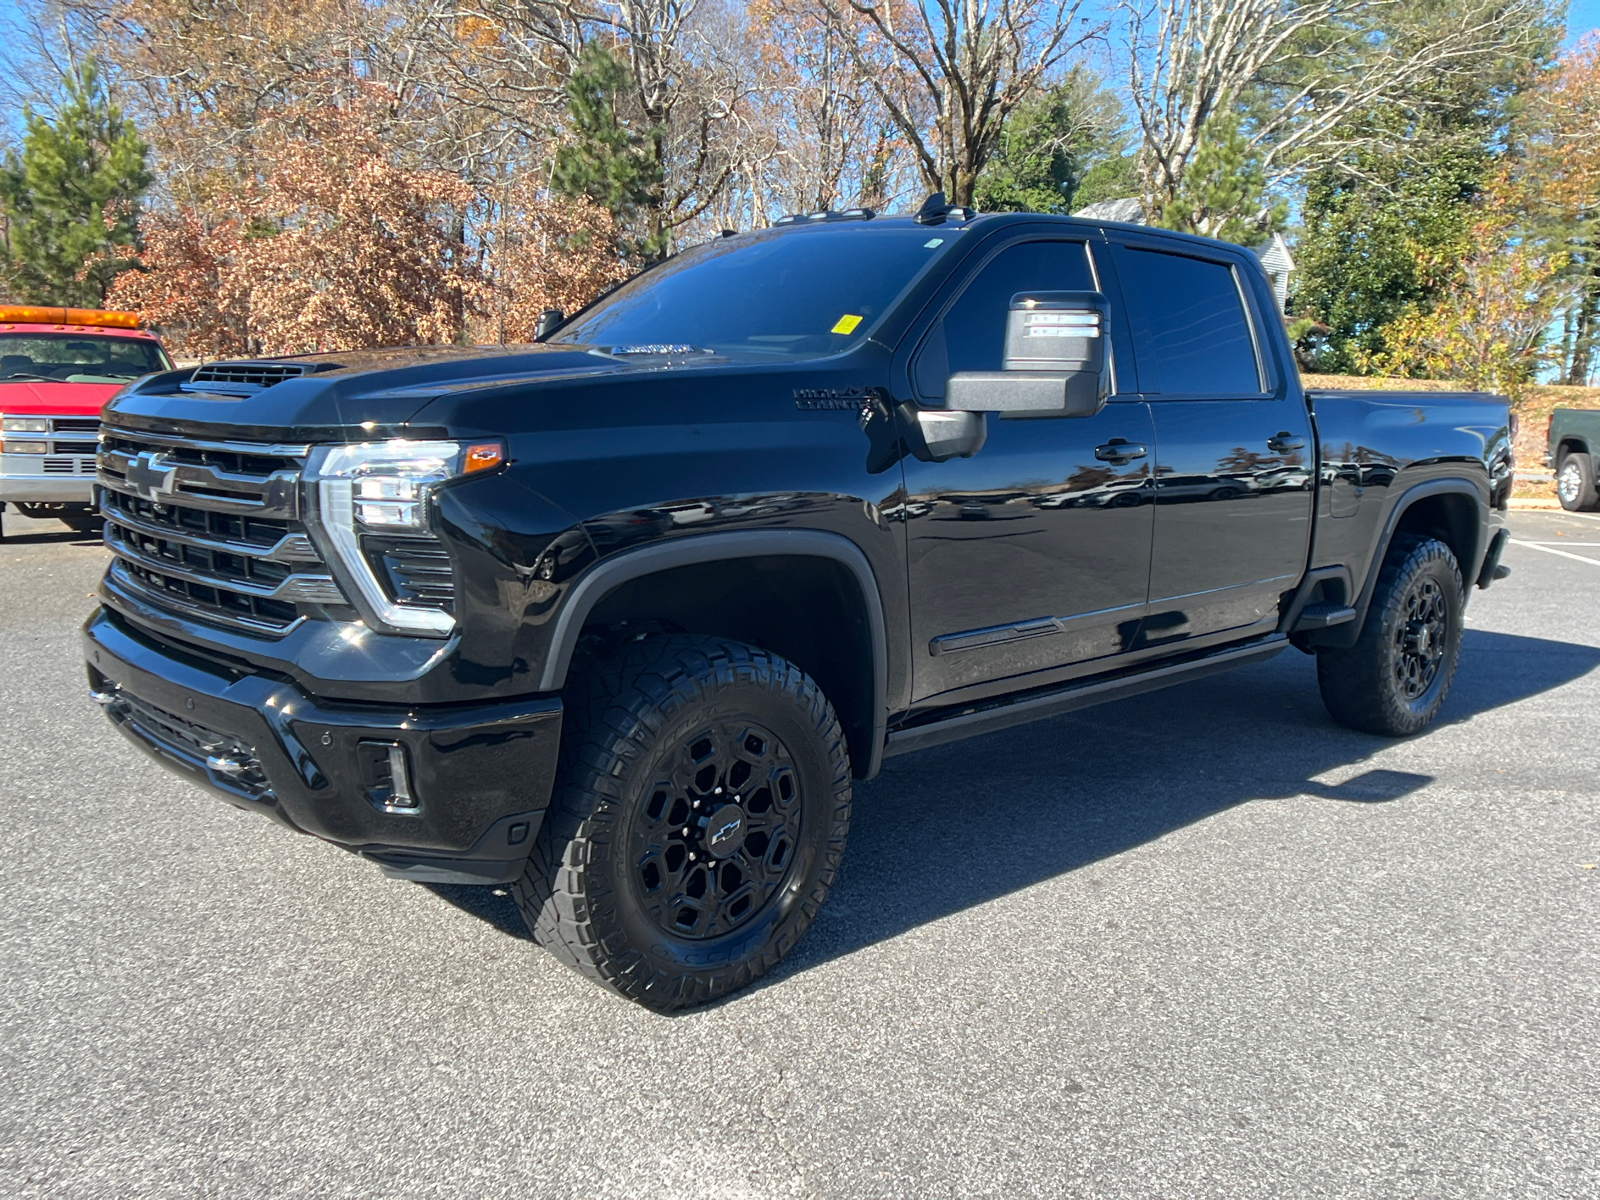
<point>155,555</point>
<point>291,450</point>
<point>212,605</point>
<point>274,496</point>
<point>288,548</point>
<point>89,425</point>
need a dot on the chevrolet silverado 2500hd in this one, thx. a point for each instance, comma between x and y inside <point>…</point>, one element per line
<point>617,618</point>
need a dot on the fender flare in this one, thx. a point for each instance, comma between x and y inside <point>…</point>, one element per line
<point>1407,498</point>
<point>698,549</point>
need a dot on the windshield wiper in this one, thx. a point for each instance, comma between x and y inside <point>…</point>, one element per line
<point>30,375</point>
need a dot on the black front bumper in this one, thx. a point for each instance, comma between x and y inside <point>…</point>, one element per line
<point>479,776</point>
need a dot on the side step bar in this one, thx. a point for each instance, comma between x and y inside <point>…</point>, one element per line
<point>970,721</point>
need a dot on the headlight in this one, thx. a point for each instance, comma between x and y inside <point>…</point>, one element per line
<point>25,425</point>
<point>27,447</point>
<point>386,488</point>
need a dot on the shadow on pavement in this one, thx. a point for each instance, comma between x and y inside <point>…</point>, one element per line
<point>959,825</point>
<point>51,537</point>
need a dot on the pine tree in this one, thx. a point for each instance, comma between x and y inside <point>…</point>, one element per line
<point>70,196</point>
<point>605,162</point>
<point>1224,178</point>
<point>1048,146</point>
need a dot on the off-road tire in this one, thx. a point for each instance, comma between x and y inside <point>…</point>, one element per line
<point>630,717</point>
<point>1366,686</point>
<point>1575,483</point>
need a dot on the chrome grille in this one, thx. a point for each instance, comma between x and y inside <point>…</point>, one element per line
<point>212,529</point>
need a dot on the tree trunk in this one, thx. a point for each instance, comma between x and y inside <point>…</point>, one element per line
<point>1584,328</point>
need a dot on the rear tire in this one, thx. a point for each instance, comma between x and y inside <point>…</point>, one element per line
<point>1395,678</point>
<point>1575,484</point>
<point>700,814</point>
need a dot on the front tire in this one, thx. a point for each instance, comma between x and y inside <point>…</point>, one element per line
<point>1575,484</point>
<point>700,815</point>
<point>1394,680</point>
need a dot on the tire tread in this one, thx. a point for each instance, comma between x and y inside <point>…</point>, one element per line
<point>614,705</point>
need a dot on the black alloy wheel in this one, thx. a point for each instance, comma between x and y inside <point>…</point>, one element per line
<point>1420,637</point>
<point>1394,680</point>
<point>700,813</point>
<point>716,839</point>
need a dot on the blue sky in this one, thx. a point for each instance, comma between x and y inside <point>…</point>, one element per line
<point>1582,16</point>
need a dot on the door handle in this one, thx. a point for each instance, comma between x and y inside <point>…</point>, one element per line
<point>1118,451</point>
<point>1281,443</point>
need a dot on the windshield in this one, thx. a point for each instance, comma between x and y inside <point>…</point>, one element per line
<point>776,294</point>
<point>77,358</point>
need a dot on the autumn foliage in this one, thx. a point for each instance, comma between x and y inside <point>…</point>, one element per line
<point>1487,329</point>
<point>336,246</point>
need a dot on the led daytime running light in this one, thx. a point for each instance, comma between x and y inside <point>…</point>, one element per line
<point>386,488</point>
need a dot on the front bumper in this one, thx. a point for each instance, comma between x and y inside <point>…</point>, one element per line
<point>43,489</point>
<point>479,777</point>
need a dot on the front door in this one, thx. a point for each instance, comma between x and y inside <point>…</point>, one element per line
<point>1234,479</point>
<point>1035,552</point>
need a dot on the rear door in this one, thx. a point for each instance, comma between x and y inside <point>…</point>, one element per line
<point>1035,552</point>
<point>1233,476</point>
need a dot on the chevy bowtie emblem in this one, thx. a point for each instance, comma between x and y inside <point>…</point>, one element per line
<point>151,477</point>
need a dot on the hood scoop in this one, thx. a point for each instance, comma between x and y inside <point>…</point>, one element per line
<point>245,378</point>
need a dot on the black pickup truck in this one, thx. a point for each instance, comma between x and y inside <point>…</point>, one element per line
<point>618,617</point>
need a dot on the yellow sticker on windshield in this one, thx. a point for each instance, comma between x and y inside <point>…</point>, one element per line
<point>846,324</point>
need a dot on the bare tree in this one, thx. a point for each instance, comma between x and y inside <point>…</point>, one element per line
<point>949,71</point>
<point>1312,69</point>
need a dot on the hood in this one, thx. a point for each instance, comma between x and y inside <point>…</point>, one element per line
<point>377,391</point>
<point>55,399</point>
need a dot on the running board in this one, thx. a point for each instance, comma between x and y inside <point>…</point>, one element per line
<point>970,721</point>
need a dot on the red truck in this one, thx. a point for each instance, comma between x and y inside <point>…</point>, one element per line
<point>57,367</point>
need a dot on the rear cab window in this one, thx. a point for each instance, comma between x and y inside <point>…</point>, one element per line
<point>1191,331</point>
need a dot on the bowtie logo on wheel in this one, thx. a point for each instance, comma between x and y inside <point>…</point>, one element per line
<point>152,477</point>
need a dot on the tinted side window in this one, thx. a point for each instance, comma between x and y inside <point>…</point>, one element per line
<point>1188,325</point>
<point>972,334</point>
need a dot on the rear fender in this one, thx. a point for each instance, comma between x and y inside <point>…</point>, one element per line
<point>1474,541</point>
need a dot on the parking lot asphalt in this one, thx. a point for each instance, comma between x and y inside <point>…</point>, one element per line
<point>1199,943</point>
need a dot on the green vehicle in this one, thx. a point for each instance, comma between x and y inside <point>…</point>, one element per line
<point>1574,441</point>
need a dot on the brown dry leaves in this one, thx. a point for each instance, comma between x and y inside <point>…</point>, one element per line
<point>336,246</point>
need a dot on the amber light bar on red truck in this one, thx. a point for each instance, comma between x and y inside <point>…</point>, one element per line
<point>101,318</point>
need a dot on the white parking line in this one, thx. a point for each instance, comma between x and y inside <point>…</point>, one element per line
<point>1558,512</point>
<point>1593,562</point>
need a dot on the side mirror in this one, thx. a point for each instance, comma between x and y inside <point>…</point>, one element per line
<point>1055,362</point>
<point>549,321</point>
